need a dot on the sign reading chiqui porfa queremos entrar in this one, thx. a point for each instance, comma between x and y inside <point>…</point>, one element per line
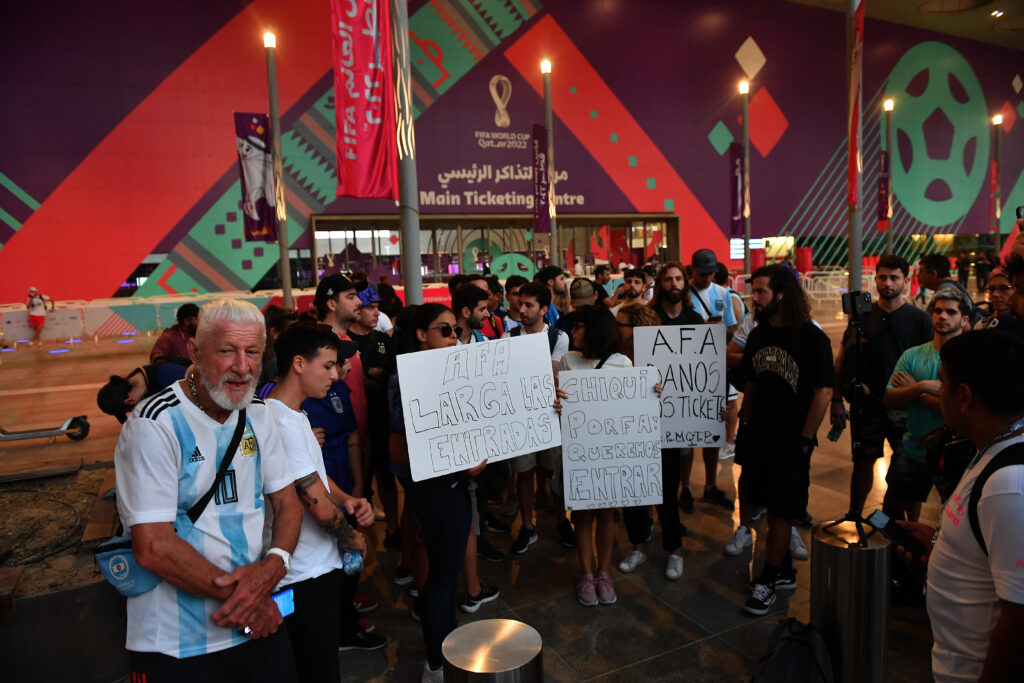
<point>465,403</point>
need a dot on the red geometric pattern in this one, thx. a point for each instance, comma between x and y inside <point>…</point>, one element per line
<point>1009,116</point>
<point>767,122</point>
<point>114,325</point>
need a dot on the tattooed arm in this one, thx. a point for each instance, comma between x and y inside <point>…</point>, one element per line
<point>322,507</point>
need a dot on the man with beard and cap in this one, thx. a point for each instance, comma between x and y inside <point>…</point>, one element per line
<point>212,616</point>
<point>892,327</point>
<point>788,378</point>
<point>632,290</point>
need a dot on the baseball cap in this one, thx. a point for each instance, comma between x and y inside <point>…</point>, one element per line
<point>581,288</point>
<point>330,287</point>
<point>111,398</point>
<point>704,261</point>
<point>367,296</point>
<point>347,350</point>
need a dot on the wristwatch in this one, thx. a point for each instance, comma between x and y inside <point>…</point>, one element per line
<point>286,558</point>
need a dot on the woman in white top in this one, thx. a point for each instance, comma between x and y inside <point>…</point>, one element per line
<point>596,336</point>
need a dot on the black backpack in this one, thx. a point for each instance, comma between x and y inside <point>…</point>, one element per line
<point>796,653</point>
<point>1011,455</point>
<point>552,335</point>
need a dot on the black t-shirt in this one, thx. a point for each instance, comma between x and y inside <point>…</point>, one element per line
<point>786,365</point>
<point>1008,323</point>
<point>373,348</point>
<point>600,293</point>
<point>373,351</point>
<point>886,337</point>
<point>687,317</point>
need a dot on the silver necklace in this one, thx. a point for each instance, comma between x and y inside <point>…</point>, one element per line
<point>195,394</point>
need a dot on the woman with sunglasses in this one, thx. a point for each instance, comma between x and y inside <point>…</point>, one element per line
<point>999,291</point>
<point>596,336</point>
<point>442,506</point>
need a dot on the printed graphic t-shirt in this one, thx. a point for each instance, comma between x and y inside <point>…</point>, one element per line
<point>166,458</point>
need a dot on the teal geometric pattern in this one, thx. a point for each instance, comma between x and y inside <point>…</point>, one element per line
<point>720,138</point>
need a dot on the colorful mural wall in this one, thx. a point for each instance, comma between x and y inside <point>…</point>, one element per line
<point>120,143</point>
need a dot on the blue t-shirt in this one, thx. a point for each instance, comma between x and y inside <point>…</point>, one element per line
<point>922,362</point>
<point>334,414</point>
<point>552,316</point>
<point>715,298</point>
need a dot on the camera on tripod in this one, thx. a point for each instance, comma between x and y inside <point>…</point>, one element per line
<point>857,304</point>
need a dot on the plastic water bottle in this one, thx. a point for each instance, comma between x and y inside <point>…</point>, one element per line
<point>351,561</point>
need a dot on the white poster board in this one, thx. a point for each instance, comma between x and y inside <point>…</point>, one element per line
<point>483,400</point>
<point>611,438</point>
<point>691,366</point>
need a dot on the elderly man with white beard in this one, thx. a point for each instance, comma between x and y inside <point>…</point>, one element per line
<point>212,617</point>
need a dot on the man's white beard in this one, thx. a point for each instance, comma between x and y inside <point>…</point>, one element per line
<point>222,397</point>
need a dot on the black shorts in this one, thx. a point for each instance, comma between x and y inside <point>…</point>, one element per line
<point>908,480</point>
<point>875,427</point>
<point>776,470</point>
<point>267,660</point>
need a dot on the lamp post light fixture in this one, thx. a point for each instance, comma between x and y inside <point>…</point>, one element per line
<point>545,70</point>
<point>888,106</point>
<point>284,262</point>
<point>744,89</point>
<point>997,123</point>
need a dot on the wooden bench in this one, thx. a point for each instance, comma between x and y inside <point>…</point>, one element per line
<point>103,520</point>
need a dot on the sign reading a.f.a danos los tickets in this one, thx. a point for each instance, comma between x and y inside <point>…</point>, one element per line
<point>490,400</point>
<point>611,438</point>
<point>691,368</point>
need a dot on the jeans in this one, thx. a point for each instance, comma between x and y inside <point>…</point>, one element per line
<point>444,513</point>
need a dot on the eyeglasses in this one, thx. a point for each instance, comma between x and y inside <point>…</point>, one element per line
<point>446,330</point>
<point>999,288</point>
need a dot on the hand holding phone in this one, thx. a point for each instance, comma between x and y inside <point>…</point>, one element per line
<point>896,532</point>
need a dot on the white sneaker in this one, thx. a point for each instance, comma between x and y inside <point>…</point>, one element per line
<point>432,675</point>
<point>634,559</point>
<point>796,545</point>
<point>674,567</point>
<point>727,451</point>
<point>740,540</point>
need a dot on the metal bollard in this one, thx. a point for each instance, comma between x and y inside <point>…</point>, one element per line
<point>850,598</point>
<point>501,650</point>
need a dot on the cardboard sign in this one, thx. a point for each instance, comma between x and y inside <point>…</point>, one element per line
<point>611,438</point>
<point>483,400</point>
<point>691,367</point>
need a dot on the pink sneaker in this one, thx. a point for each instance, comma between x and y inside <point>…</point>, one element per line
<point>605,590</point>
<point>585,592</point>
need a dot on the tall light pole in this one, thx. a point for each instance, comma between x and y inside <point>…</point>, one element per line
<point>997,123</point>
<point>545,70</point>
<point>888,107</point>
<point>745,92</point>
<point>284,262</point>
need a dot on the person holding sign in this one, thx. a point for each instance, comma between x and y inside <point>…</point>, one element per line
<point>787,366</point>
<point>638,520</point>
<point>443,505</point>
<point>596,336</point>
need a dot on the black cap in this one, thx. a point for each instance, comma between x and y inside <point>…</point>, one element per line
<point>548,273</point>
<point>330,287</point>
<point>704,261</point>
<point>347,350</point>
<point>186,311</point>
<point>111,398</point>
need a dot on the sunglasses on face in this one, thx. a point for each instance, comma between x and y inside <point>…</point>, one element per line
<point>999,288</point>
<point>446,330</point>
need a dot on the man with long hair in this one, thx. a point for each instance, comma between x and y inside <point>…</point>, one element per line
<point>787,365</point>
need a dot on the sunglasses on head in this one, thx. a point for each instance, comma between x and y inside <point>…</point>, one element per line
<point>446,330</point>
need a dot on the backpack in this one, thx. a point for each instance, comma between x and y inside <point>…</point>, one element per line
<point>1012,455</point>
<point>552,335</point>
<point>796,653</point>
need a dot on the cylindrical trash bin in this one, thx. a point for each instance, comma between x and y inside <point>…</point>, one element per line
<point>502,650</point>
<point>850,598</point>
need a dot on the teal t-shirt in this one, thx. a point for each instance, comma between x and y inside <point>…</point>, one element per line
<point>922,363</point>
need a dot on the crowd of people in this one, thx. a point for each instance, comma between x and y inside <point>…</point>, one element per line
<point>317,399</point>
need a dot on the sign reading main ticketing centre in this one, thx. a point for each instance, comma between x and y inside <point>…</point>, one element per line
<point>488,400</point>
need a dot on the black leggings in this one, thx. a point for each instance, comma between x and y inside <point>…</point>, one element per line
<point>313,628</point>
<point>444,513</point>
<point>638,519</point>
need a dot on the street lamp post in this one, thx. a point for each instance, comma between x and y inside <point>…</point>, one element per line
<point>284,262</point>
<point>997,123</point>
<point>545,70</point>
<point>888,107</point>
<point>745,92</point>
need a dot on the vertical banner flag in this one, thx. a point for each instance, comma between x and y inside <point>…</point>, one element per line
<point>255,161</point>
<point>364,99</point>
<point>541,194</point>
<point>611,438</point>
<point>736,188</point>
<point>856,50</point>
<point>884,181</point>
<point>691,366</point>
<point>993,194</point>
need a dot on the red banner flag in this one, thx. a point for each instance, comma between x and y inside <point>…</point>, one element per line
<point>364,99</point>
<point>853,164</point>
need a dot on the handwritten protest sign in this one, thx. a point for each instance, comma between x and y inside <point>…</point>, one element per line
<point>484,400</point>
<point>691,366</point>
<point>611,438</point>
